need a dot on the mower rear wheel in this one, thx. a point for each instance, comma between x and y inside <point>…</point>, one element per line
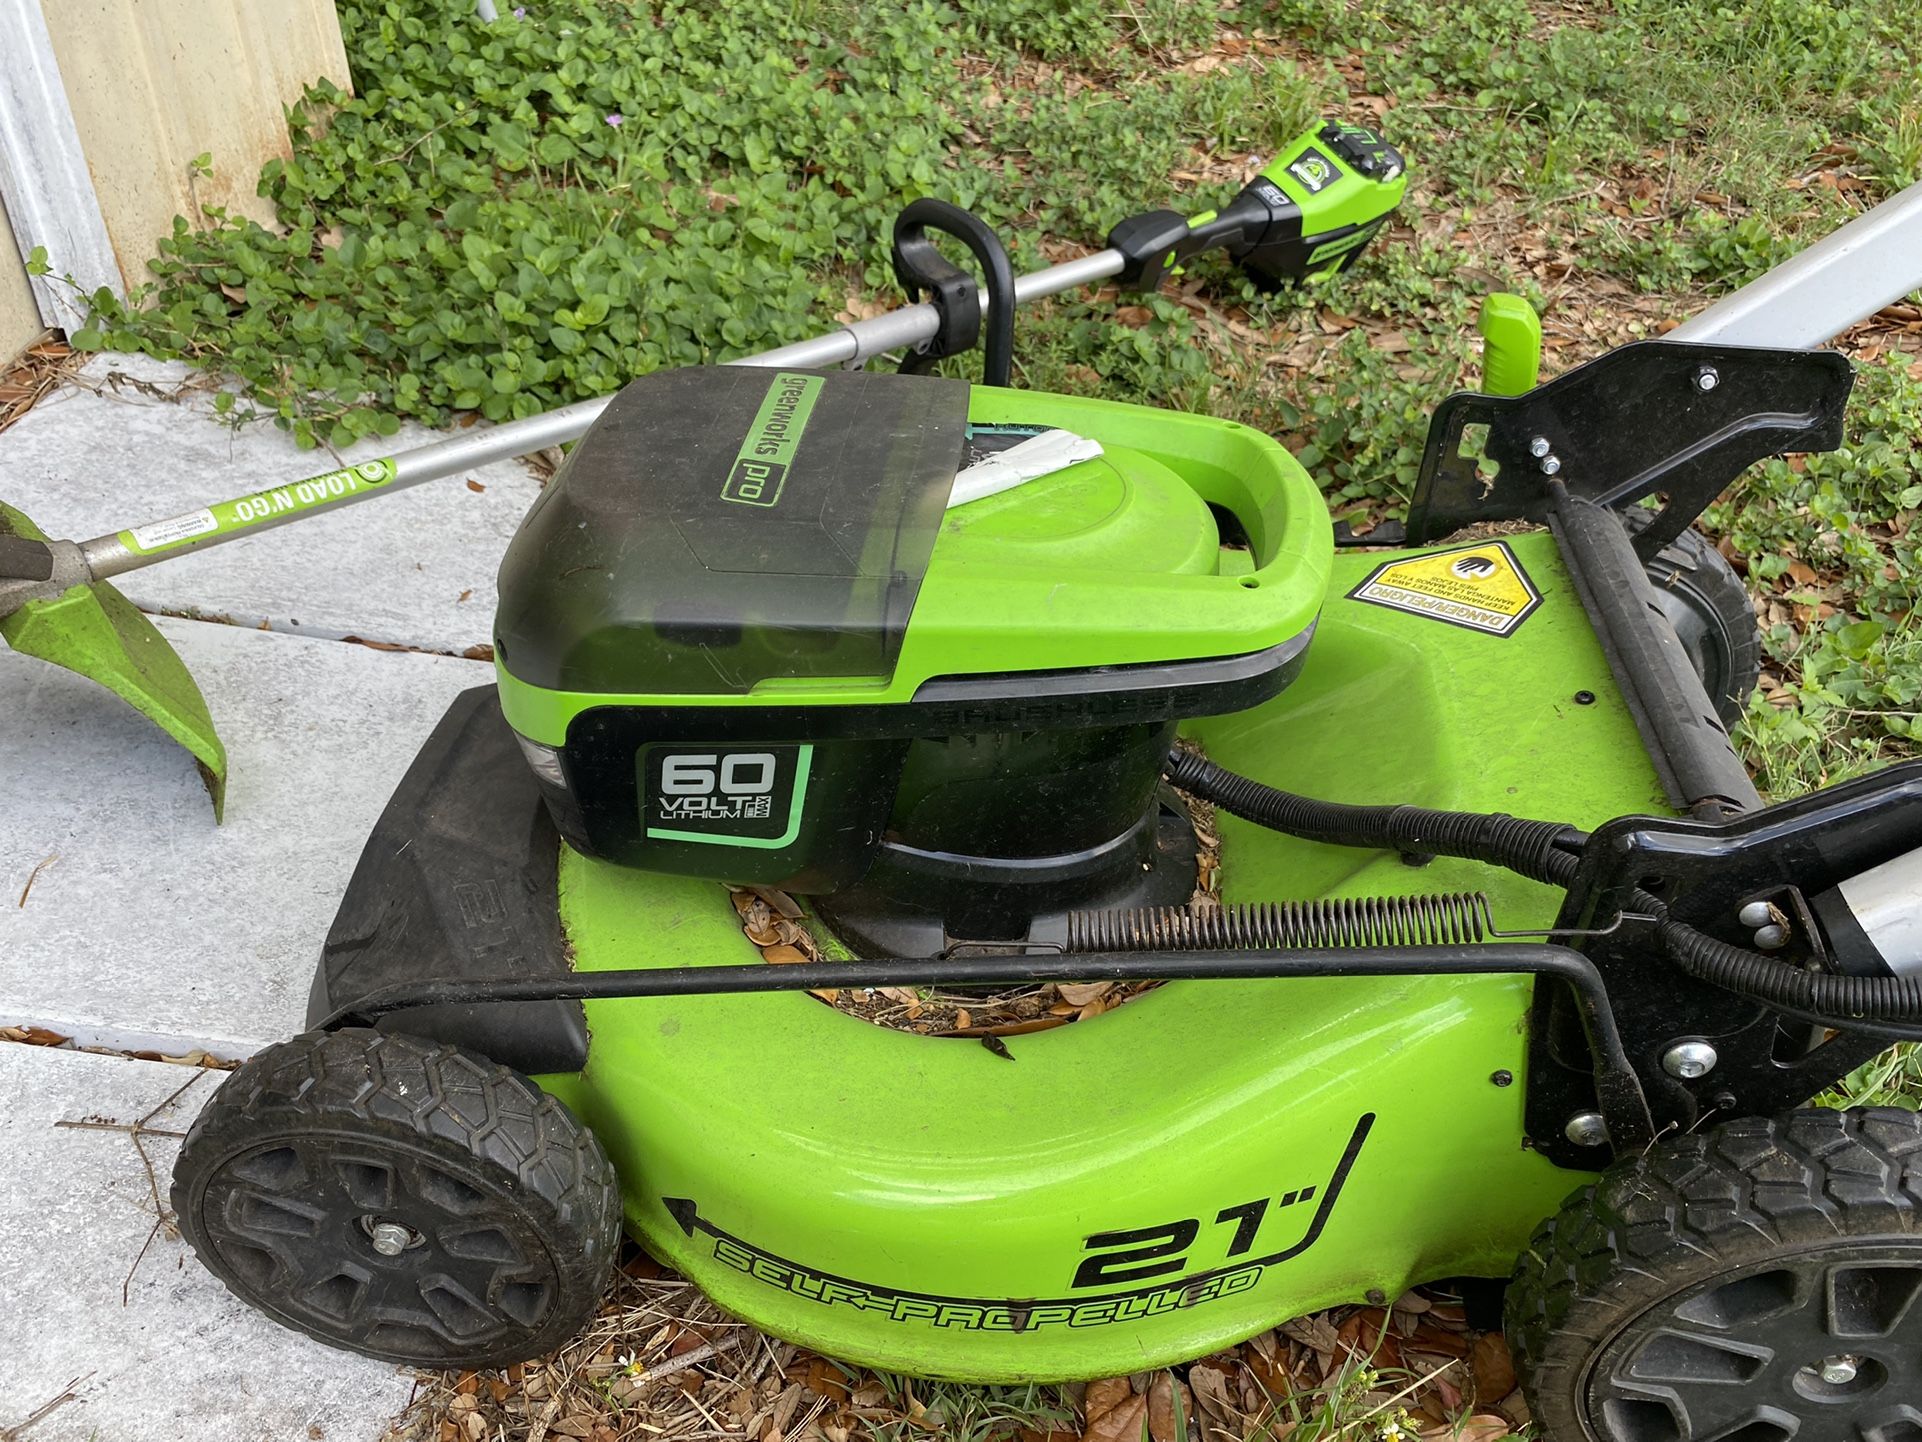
<point>400,1198</point>
<point>1755,1282</point>
<point>1709,607</point>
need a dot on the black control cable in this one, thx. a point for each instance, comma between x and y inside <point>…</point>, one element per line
<point>1549,851</point>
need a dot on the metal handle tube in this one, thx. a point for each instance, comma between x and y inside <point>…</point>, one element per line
<point>1873,261</point>
<point>111,555</point>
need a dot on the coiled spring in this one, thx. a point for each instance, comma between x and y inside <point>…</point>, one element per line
<point>1443,919</point>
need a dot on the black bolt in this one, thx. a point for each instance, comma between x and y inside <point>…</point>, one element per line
<point>1584,698</point>
<point>1503,1078</point>
<point>1377,1297</point>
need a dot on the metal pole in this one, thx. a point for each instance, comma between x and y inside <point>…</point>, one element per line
<point>112,555</point>
<point>1873,261</point>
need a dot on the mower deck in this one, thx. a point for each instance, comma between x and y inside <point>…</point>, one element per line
<point>923,1204</point>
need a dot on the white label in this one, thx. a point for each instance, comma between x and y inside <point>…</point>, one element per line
<point>173,532</point>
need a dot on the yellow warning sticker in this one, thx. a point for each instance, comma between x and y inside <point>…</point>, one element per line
<point>1481,587</point>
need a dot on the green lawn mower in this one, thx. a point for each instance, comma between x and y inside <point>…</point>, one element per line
<point>954,667</point>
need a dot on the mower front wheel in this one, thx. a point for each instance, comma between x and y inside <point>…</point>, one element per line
<point>400,1198</point>
<point>1755,1282</point>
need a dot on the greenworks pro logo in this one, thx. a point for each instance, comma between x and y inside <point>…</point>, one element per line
<point>760,470</point>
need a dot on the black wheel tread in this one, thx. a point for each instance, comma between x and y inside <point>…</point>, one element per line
<point>406,1086</point>
<point>1694,1205</point>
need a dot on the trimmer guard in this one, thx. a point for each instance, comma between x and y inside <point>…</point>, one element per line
<point>98,633</point>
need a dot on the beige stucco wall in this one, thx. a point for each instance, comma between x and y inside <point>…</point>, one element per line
<point>153,83</point>
<point>19,319</point>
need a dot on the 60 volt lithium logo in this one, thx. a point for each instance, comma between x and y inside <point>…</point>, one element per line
<point>735,787</point>
<point>761,467</point>
<point>737,798</point>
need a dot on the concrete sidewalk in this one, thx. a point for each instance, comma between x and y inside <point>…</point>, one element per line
<point>413,568</point>
<point>149,1345</point>
<point>146,927</point>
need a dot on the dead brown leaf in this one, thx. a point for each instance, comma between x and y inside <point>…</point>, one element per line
<point>1166,1397</point>
<point>1484,1427</point>
<point>1112,1412</point>
<point>33,1036</point>
<point>1492,1367</point>
<point>1214,1398</point>
<point>779,902</point>
<point>1081,993</point>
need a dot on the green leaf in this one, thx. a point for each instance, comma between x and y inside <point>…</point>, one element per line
<point>1858,639</point>
<point>556,149</point>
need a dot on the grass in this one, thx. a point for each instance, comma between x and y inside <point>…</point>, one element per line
<point>508,217</point>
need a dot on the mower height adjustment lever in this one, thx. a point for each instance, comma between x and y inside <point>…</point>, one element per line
<point>920,267</point>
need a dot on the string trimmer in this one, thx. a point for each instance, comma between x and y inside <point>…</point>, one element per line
<point>1308,213</point>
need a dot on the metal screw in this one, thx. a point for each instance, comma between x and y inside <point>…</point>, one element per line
<point>1503,1078</point>
<point>390,1239</point>
<point>1772,937</point>
<point>1840,1371</point>
<point>1587,1129</point>
<point>1756,914</point>
<point>1689,1060</point>
<point>1707,378</point>
<point>1550,465</point>
<point>1539,447</point>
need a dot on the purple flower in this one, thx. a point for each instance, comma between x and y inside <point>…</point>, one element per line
<point>520,12</point>
<point>615,119</point>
